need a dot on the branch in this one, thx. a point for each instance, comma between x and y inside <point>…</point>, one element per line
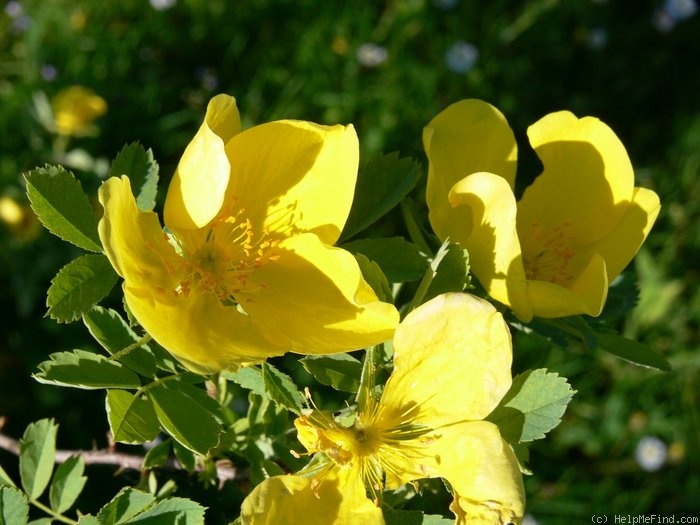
<point>225,471</point>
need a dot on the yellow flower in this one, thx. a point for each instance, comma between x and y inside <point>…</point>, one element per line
<point>75,108</point>
<point>247,269</point>
<point>19,219</point>
<point>555,251</point>
<point>452,360</point>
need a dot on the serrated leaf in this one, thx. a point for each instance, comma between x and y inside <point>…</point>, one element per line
<point>340,371</point>
<point>78,286</point>
<point>188,414</point>
<point>89,519</point>
<point>168,511</point>
<point>632,351</point>
<point>67,484</point>
<point>400,260</point>
<point>250,378</point>
<point>41,521</point>
<point>533,406</point>
<point>87,370</point>
<point>5,479</point>
<point>132,419</point>
<point>402,517</point>
<point>36,457</point>
<point>134,161</point>
<point>114,334</point>
<point>14,509</point>
<point>381,184</point>
<point>62,206</point>
<point>282,389</point>
<point>124,506</point>
<point>375,277</point>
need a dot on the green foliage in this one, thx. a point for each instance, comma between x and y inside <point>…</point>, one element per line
<point>400,260</point>
<point>632,351</point>
<point>67,484</point>
<point>132,507</point>
<point>82,369</point>
<point>533,406</point>
<point>132,418</point>
<point>14,509</point>
<point>282,389</point>
<point>36,456</point>
<point>78,286</point>
<point>381,184</point>
<point>375,277</point>
<point>139,165</point>
<point>63,207</point>
<point>340,371</point>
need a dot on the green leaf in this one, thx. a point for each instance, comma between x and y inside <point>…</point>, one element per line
<point>114,334</point>
<point>134,161</point>
<point>41,521</point>
<point>402,517</point>
<point>375,277</point>
<point>125,506</point>
<point>250,378</point>
<point>158,455</point>
<point>185,456</point>
<point>632,351</point>
<point>67,484</point>
<point>340,371</point>
<point>14,509</point>
<point>381,184</point>
<point>5,479</point>
<point>282,389</point>
<point>132,419</point>
<point>36,457</point>
<point>400,260</point>
<point>62,206</point>
<point>168,511</point>
<point>533,406</point>
<point>87,370</point>
<point>188,414</point>
<point>78,286</point>
<point>451,272</point>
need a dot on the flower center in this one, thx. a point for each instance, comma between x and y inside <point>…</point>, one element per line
<point>223,259</point>
<point>381,444</point>
<point>550,253</point>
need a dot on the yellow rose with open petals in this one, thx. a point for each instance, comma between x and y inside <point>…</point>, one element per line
<point>452,359</point>
<point>246,268</point>
<point>555,251</point>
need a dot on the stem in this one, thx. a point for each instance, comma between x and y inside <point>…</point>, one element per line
<point>124,351</point>
<point>52,513</point>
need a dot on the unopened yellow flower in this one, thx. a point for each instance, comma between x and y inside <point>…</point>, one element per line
<point>555,251</point>
<point>75,108</point>
<point>452,360</point>
<point>19,218</point>
<point>247,269</point>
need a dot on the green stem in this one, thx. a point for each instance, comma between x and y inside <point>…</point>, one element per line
<point>55,515</point>
<point>124,351</point>
<point>422,289</point>
<point>414,230</point>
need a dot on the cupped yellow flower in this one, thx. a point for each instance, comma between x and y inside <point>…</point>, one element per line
<point>75,108</point>
<point>555,251</point>
<point>246,268</point>
<point>452,359</point>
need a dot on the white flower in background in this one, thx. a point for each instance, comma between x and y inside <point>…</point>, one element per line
<point>371,55</point>
<point>672,12</point>
<point>461,57</point>
<point>651,453</point>
<point>597,38</point>
<point>160,5</point>
<point>445,4</point>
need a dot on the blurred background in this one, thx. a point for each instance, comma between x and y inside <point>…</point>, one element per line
<point>81,78</point>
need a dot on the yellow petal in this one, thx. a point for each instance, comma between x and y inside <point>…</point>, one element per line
<point>586,183</point>
<point>483,472</point>
<point>338,499</point>
<point>198,188</point>
<point>133,240</point>
<point>586,295</point>
<point>295,176</point>
<point>619,247</point>
<point>490,237</point>
<point>199,330</point>
<point>314,300</point>
<point>467,137</point>
<point>452,358</point>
